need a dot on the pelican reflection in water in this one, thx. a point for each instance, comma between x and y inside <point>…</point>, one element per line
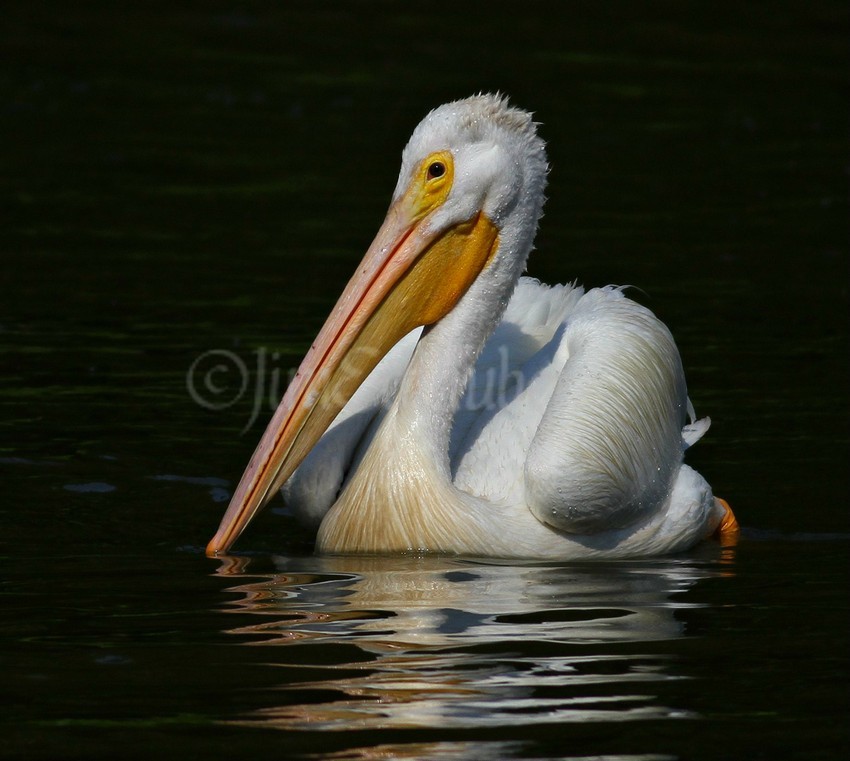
<point>375,442</point>
<point>460,644</point>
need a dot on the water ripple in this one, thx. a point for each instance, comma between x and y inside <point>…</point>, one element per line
<point>441,643</point>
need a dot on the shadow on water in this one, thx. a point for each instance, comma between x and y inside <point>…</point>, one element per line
<point>437,643</point>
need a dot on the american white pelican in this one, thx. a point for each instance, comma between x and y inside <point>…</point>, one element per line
<point>568,441</point>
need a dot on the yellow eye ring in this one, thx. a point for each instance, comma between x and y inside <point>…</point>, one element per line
<point>432,183</point>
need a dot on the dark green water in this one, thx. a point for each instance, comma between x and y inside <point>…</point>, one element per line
<point>189,184</point>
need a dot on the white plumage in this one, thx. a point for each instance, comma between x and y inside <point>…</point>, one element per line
<point>609,468</point>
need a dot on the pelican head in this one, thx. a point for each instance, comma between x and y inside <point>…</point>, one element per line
<point>463,214</point>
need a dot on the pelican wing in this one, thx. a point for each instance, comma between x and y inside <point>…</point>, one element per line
<point>576,408</point>
<point>609,446</point>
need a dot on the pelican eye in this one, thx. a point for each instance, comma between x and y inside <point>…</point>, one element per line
<point>432,182</point>
<point>436,169</point>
